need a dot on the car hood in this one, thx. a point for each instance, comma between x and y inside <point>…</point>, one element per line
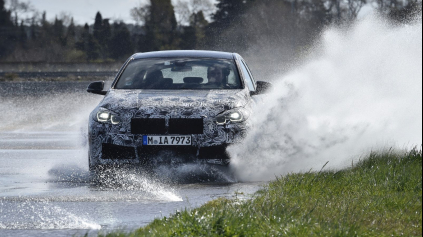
<point>183,103</point>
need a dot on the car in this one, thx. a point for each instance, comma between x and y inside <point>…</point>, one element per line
<point>189,102</point>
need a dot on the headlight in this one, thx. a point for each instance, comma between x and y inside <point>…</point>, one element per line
<point>114,119</point>
<point>105,116</point>
<point>230,116</point>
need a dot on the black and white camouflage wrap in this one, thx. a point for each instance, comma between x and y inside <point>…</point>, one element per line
<point>206,104</point>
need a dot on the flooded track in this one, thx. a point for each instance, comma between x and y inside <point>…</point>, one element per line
<point>46,189</point>
<point>45,185</point>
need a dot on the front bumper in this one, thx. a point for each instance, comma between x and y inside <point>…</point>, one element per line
<point>115,144</point>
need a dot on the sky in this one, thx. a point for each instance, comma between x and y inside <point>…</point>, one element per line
<point>84,11</point>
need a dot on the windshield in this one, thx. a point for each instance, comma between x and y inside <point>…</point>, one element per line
<point>180,73</point>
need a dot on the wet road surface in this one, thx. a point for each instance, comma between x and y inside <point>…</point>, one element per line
<point>46,189</point>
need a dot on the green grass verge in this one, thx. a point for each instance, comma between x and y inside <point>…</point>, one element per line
<point>379,196</point>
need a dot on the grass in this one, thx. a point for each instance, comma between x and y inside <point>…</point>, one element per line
<point>379,196</point>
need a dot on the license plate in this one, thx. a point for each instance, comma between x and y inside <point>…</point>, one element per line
<point>167,140</point>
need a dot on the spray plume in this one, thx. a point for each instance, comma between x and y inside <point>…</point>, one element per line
<point>361,90</point>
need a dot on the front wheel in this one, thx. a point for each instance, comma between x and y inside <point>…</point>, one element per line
<point>91,167</point>
<point>94,170</point>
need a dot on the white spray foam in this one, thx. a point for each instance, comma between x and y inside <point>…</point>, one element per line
<point>132,180</point>
<point>157,190</point>
<point>122,184</point>
<point>58,112</point>
<point>42,215</point>
<point>362,91</point>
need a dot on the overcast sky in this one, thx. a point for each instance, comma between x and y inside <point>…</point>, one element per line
<point>84,11</point>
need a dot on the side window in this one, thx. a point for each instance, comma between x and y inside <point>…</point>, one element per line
<point>248,79</point>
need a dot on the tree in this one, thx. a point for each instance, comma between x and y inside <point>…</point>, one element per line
<point>199,22</point>
<point>7,31</point>
<point>45,38</point>
<point>188,38</point>
<point>22,34</point>
<point>4,16</point>
<point>71,31</point>
<point>385,6</point>
<point>33,29</point>
<point>98,26</point>
<point>105,37</point>
<point>160,27</point>
<point>102,34</point>
<point>270,31</point>
<point>184,9</point>
<point>192,22</point>
<point>228,11</point>
<point>405,13</point>
<point>354,7</point>
<point>88,44</point>
<point>140,14</point>
<point>193,35</point>
<point>58,32</point>
<point>17,8</point>
<point>120,44</point>
<point>228,14</point>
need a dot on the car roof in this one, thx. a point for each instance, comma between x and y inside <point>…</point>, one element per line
<point>185,53</point>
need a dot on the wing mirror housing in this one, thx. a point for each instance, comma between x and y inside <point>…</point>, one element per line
<point>97,88</point>
<point>263,87</point>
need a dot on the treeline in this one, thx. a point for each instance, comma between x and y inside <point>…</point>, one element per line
<point>270,27</point>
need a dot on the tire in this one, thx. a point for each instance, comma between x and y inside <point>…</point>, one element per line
<point>94,170</point>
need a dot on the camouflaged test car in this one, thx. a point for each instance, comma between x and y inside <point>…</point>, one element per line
<point>191,102</point>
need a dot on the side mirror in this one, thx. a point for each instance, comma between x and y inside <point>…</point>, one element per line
<point>263,87</point>
<point>97,88</point>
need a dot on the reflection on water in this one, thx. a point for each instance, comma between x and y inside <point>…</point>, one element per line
<point>47,190</point>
